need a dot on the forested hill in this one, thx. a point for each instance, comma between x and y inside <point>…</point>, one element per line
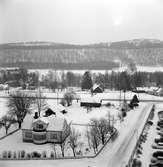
<point>94,56</point>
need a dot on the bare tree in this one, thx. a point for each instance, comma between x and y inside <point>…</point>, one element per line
<point>94,138</point>
<point>103,128</point>
<point>19,105</point>
<point>6,121</point>
<point>111,121</point>
<point>62,145</point>
<point>40,102</point>
<point>68,97</point>
<point>73,140</point>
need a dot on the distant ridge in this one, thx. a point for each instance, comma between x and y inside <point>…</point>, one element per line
<point>40,54</point>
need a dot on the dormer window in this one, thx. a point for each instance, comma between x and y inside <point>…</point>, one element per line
<point>39,126</point>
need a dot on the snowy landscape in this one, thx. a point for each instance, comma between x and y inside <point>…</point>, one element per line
<point>81,83</point>
<point>79,119</point>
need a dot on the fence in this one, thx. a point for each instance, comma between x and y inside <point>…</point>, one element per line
<point>69,157</point>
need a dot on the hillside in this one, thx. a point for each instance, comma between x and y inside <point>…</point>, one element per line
<point>94,56</point>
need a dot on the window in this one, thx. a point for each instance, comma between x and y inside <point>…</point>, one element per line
<point>39,137</point>
<point>53,136</point>
<point>28,135</point>
<point>39,126</point>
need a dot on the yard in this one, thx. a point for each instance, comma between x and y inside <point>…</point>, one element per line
<point>79,119</point>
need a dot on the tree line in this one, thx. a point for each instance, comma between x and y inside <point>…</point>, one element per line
<point>113,80</point>
<point>53,80</point>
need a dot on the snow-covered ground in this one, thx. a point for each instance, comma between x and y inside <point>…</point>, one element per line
<point>119,147</point>
<point>147,150</point>
<point>79,115</point>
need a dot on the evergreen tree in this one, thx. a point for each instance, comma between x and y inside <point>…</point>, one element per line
<point>124,81</point>
<point>86,81</point>
<point>134,102</point>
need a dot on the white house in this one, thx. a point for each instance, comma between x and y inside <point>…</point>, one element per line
<point>50,129</point>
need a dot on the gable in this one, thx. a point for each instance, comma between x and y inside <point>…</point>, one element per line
<point>39,125</point>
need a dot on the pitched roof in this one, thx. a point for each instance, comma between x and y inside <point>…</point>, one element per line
<point>54,123</point>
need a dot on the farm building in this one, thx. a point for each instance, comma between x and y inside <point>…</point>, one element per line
<point>90,102</point>
<point>42,130</point>
<point>97,89</point>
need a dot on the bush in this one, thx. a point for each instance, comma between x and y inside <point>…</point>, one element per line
<point>28,156</point>
<point>124,114</point>
<point>9,154</point>
<point>44,154</point>
<point>52,155</point>
<point>35,154</point>
<point>108,104</point>
<point>63,102</point>
<point>22,154</point>
<point>4,154</point>
<point>14,155</point>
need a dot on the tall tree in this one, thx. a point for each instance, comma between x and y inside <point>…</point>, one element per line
<point>40,102</point>
<point>103,128</point>
<point>70,78</point>
<point>124,81</point>
<point>19,105</point>
<point>6,121</point>
<point>86,81</point>
<point>73,140</point>
<point>94,138</point>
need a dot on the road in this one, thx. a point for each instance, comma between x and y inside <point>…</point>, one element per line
<point>115,154</point>
<point>127,140</point>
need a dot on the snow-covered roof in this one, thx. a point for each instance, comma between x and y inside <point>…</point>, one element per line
<point>95,86</point>
<point>90,100</point>
<point>56,108</point>
<point>53,123</point>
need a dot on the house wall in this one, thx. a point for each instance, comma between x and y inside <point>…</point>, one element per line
<point>54,136</point>
<point>40,137</point>
<point>27,135</point>
<point>87,104</point>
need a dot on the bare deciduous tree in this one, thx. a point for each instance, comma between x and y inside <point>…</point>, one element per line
<point>103,128</point>
<point>94,138</point>
<point>19,105</point>
<point>62,145</point>
<point>40,102</point>
<point>73,140</point>
<point>6,121</point>
<point>68,97</point>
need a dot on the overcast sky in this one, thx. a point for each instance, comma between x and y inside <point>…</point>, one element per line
<point>80,21</point>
